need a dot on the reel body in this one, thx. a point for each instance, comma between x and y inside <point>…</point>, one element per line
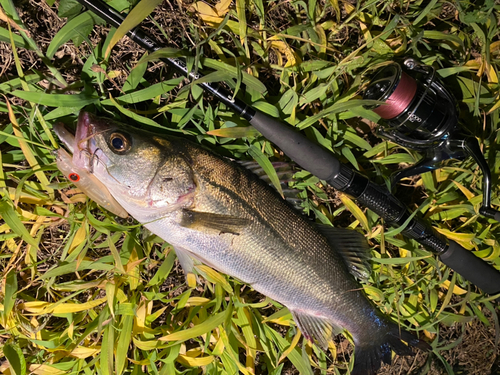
<point>421,114</point>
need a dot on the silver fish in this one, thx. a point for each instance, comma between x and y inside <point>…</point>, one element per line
<point>216,212</point>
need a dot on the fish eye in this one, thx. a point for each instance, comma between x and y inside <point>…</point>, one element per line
<point>119,143</point>
<point>75,177</point>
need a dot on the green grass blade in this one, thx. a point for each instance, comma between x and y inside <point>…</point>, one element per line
<point>124,339</point>
<point>10,292</point>
<point>15,356</point>
<point>200,329</point>
<point>134,18</point>
<point>11,218</point>
<point>56,100</point>
<point>264,162</point>
<point>74,28</point>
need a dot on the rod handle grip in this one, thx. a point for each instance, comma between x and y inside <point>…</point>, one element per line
<point>309,155</point>
<point>473,268</point>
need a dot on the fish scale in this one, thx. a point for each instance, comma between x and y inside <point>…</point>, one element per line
<point>290,231</point>
<point>216,212</point>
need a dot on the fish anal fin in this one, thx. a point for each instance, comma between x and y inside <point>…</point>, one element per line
<point>315,327</point>
<point>353,248</point>
<point>207,222</point>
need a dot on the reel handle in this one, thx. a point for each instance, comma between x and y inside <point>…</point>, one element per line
<point>471,146</point>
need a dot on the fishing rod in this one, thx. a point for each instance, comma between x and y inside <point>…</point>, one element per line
<point>324,165</point>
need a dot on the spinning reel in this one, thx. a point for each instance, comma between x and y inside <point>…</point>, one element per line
<point>421,114</point>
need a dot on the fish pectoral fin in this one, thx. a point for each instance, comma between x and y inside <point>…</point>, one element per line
<point>315,328</point>
<point>353,248</point>
<point>207,221</point>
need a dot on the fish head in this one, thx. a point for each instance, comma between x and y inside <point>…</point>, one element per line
<point>142,171</point>
<point>81,177</point>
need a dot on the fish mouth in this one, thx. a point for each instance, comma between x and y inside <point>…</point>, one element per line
<point>85,155</point>
<point>79,166</point>
<point>82,144</point>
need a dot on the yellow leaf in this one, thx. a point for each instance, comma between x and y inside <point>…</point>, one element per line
<point>194,362</point>
<point>464,190</point>
<point>429,335</point>
<point>83,352</point>
<point>292,346</point>
<point>366,32</point>
<point>348,8</point>
<point>197,301</point>
<point>463,239</point>
<point>146,345</point>
<point>456,289</point>
<point>219,347</point>
<point>336,8</point>
<point>45,370</point>
<point>282,320</point>
<point>144,362</point>
<point>495,47</point>
<point>121,296</point>
<point>25,197</point>
<point>292,58</point>
<point>322,35</point>
<point>222,7</point>
<point>207,13</point>
<point>490,73</point>
<point>191,280</point>
<point>214,277</point>
<point>41,307</point>
<point>494,108</point>
<point>71,329</point>
<point>140,315</point>
<point>80,236</point>
<point>356,211</point>
<point>474,64</point>
<point>133,270</point>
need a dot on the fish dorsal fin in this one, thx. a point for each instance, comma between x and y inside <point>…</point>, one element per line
<point>285,172</point>
<point>353,248</point>
<point>315,327</point>
<point>207,221</point>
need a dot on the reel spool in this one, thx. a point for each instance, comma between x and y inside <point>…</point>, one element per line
<point>419,113</point>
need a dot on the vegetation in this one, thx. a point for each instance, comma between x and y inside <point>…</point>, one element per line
<point>86,292</point>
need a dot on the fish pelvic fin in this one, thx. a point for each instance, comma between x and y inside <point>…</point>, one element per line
<point>369,353</point>
<point>315,328</point>
<point>187,261</point>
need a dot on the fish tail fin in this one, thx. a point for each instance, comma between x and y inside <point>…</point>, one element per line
<point>370,353</point>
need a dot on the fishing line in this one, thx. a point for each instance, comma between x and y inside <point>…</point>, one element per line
<point>399,99</point>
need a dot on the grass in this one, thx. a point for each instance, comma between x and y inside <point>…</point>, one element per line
<point>85,292</point>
